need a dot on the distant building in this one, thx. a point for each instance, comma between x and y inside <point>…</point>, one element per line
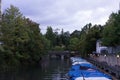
<point>105,49</point>
<point>113,50</point>
<point>100,48</point>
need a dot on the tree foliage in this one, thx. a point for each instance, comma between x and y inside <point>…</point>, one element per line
<point>73,46</point>
<point>21,39</point>
<point>57,40</point>
<point>88,37</point>
<point>111,32</point>
<point>50,35</point>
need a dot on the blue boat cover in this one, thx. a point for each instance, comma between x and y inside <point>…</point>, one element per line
<point>90,71</point>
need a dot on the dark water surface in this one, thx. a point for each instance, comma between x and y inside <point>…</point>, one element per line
<point>50,70</point>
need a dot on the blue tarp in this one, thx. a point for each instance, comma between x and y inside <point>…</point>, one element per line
<point>95,73</point>
<point>85,70</point>
<point>77,66</point>
<point>76,72</point>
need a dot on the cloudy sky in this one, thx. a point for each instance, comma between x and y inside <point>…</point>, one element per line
<point>67,14</point>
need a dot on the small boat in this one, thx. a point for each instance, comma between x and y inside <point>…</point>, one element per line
<point>83,70</point>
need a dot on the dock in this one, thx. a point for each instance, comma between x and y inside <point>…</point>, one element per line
<point>113,70</point>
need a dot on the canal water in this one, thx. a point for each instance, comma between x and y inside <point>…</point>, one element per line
<point>54,69</point>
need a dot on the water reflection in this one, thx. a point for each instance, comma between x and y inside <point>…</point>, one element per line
<point>50,70</point>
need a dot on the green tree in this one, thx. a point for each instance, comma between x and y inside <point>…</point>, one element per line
<point>35,46</point>
<point>66,39</point>
<point>73,44</point>
<point>13,32</point>
<point>50,35</point>
<point>111,32</point>
<point>75,33</point>
<point>88,38</point>
<point>21,39</point>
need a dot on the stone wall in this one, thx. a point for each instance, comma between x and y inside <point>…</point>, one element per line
<point>111,60</point>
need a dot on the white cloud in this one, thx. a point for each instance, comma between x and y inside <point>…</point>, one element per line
<point>66,14</point>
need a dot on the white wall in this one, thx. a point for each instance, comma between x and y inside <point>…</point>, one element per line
<point>99,47</point>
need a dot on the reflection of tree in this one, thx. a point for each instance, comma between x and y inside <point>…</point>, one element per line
<point>45,65</point>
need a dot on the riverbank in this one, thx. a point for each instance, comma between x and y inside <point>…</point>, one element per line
<point>102,64</point>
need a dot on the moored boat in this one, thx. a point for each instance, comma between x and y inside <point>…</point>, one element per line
<point>83,70</point>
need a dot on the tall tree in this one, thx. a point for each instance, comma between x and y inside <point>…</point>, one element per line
<point>13,30</point>
<point>50,35</point>
<point>88,37</point>
<point>66,39</point>
<point>36,45</point>
<point>14,34</point>
<point>21,38</point>
<point>111,32</point>
<point>75,33</point>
